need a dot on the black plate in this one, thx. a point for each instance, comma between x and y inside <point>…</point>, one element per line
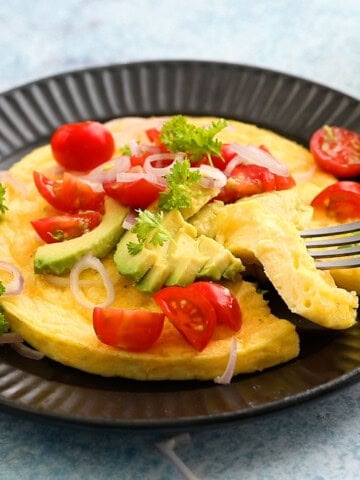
<point>291,106</point>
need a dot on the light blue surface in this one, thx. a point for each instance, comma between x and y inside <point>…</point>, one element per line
<point>318,40</point>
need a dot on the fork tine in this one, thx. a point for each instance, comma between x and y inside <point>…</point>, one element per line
<point>335,264</point>
<point>332,242</point>
<point>333,230</point>
<point>337,252</point>
<point>336,236</point>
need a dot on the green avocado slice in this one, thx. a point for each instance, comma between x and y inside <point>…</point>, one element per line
<point>59,258</point>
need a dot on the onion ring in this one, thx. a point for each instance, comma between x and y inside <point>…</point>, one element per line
<point>252,155</point>
<point>10,179</point>
<point>85,263</point>
<point>212,173</point>
<point>106,172</point>
<point>226,377</point>
<point>16,285</point>
<point>162,157</point>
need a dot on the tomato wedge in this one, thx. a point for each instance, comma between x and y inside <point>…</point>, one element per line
<point>137,194</point>
<point>221,162</point>
<point>154,136</point>
<point>132,330</point>
<point>193,316</point>
<point>340,200</point>
<point>337,151</point>
<point>224,302</point>
<point>69,194</point>
<point>82,146</point>
<point>64,227</point>
<point>247,180</point>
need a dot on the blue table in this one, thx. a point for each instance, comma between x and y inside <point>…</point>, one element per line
<point>318,40</point>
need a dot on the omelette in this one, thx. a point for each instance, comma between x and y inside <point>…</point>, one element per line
<point>261,230</point>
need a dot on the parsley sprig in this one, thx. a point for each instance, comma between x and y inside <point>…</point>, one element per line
<point>3,207</point>
<point>179,182</point>
<point>179,135</point>
<point>148,228</point>
<point>4,326</point>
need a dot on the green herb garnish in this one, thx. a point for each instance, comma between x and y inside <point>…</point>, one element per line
<point>126,150</point>
<point>179,135</point>
<point>329,133</point>
<point>4,325</point>
<point>148,229</point>
<point>179,182</point>
<point>3,207</point>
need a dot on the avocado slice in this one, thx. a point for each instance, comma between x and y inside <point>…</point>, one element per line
<point>185,260</point>
<point>151,258</point>
<point>220,261</point>
<point>156,276</point>
<point>200,196</point>
<point>133,266</point>
<point>59,258</point>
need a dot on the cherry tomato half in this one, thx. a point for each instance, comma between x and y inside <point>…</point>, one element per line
<point>340,200</point>
<point>137,194</point>
<point>221,162</point>
<point>154,136</point>
<point>133,330</point>
<point>224,302</point>
<point>69,194</point>
<point>247,180</point>
<point>192,315</point>
<point>82,146</point>
<point>64,227</point>
<point>337,151</point>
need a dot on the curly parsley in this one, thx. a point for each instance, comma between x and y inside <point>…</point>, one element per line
<point>4,326</point>
<point>3,207</point>
<point>148,229</point>
<point>179,135</point>
<point>179,182</point>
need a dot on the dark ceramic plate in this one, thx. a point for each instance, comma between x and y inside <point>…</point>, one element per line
<point>290,106</point>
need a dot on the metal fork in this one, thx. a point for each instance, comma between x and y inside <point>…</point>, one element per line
<point>325,244</point>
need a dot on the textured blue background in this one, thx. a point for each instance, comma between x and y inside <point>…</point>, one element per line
<point>318,40</point>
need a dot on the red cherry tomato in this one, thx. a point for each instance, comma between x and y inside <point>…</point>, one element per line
<point>82,146</point>
<point>133,330</point>
<point>340,200</point>
<point>64,227</point>
<point>192,315</point>
<point>69,194</point>
<point>137,194</point>
<point>221,162</point>
<point>154,136</point>
<point>337,151</point>
<point>247,180</point>
<point>224,302</point>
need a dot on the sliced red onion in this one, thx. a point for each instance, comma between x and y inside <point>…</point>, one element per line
<point>255,156</point>
<point>167,447</point>
<point>16,285</point>
<point>161,157</point>
<point>10,179</point>
<point>85,263</point>
<point>26,351</point>
<point>150,149</point>
<point>212,173</point>
<point>107,172</point>
<point>135,148</point>
<point>130,220</point>
<point>226,377</point>
<point>10,337</point>
<point>127,177</point>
